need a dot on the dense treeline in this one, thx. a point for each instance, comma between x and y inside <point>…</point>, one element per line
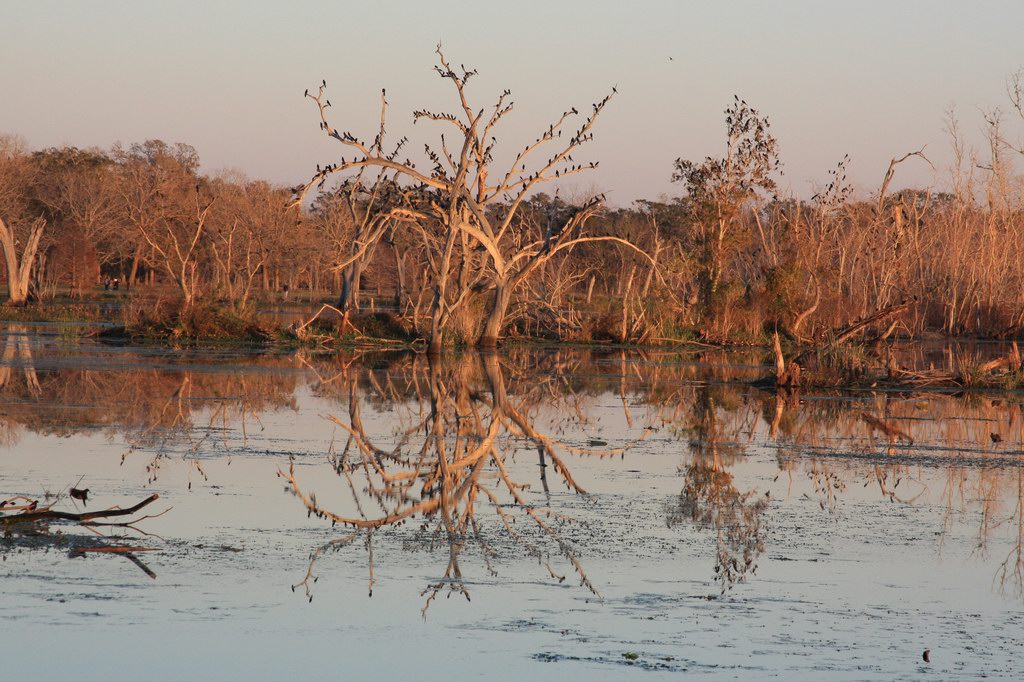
<point>458,249</point>
<point>145,215</point>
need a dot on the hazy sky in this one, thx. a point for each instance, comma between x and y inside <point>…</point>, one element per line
<point>872,79</point>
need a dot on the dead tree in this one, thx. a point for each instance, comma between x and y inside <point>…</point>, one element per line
<point>21,225</point>
<point>168,206</point>
<point>465,214</point>
<point>452,463</point>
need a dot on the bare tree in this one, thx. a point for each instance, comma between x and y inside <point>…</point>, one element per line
<point>166,203</point>
<point>465,214</point>
<point>355,217</point>
<point>247,224</point>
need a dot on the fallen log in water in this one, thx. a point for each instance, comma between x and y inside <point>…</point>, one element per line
<point>31,512</point>
<point>844,335</point>
<point>114,549</point>
<point>51,515</point>
<point>790,374</point>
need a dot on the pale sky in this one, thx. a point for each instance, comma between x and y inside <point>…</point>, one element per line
<point>872,79</point>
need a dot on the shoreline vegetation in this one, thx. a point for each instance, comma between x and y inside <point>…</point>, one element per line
<point>460,238</point>
<point>857,356</point>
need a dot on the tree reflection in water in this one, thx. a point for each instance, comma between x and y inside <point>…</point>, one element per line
<point>454,458</point>
<point>462,428</point>
<point>17,354</point>
<point>710,499</point>
<point>450,462</point>
<point>162,402</point>
<point>903,443</point>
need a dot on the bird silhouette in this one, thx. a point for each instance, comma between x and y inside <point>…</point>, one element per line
<point>80,494</point>
<point>996,438</point>
<point>927,655</point>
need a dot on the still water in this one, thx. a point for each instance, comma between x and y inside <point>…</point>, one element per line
<point>570,514</point>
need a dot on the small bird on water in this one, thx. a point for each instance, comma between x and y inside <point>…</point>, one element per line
<point>927,655</point>
<point>996,438</point>
<point>80,494</point>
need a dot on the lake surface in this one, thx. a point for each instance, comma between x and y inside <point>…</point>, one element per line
<point>569,514</point>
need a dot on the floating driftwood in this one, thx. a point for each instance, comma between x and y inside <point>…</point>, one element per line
<point>21,514</point>
<point>847,333</point>
<point>32,513</point>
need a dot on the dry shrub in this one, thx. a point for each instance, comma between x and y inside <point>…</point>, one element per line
<point>164,318</point>
<point>382,325</point>
<point>603,324</point>
<point>148,313</point>
<point>211,322</point>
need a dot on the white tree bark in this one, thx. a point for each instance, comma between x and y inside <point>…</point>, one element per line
<point>19,269</point>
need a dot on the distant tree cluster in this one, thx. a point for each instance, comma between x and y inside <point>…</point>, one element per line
<point>141,215</point>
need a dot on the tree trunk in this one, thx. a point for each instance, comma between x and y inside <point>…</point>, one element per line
<point>350,279</point>
<point>436,326</point>
<point>715,266</point>
<point>496,317</point>
<point>400,278</point>
<point>19,273</point>
<point>133,275</point>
